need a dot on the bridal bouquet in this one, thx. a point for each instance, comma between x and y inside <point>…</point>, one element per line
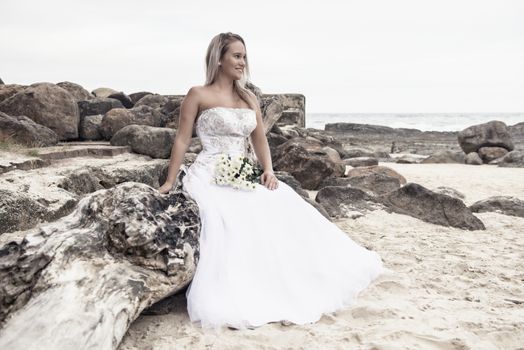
<point>237,171</point>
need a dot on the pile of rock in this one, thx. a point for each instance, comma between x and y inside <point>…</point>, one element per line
<point>489,143</point>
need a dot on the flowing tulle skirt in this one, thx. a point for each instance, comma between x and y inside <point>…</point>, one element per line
<point>268,256</point>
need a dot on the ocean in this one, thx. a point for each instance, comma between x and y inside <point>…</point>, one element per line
<point>421,121</point>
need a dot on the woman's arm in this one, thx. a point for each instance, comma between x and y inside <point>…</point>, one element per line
<point>261,147</point>
<point>188,114</point>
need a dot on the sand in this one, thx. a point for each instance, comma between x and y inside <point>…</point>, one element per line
<point>446,289</point>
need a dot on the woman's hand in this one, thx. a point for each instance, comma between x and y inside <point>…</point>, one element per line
<point>166,187</point>
<point>269,180</point>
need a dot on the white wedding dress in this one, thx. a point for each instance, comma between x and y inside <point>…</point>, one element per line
<point>265,255</point>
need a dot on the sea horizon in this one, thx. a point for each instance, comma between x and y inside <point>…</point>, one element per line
<point>420,121</point>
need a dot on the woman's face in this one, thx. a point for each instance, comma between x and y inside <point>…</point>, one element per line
<point>233,62</point>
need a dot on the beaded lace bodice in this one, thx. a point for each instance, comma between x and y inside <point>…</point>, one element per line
<point>223,130</point>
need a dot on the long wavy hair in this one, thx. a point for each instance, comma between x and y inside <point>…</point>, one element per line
<point>215,51</point>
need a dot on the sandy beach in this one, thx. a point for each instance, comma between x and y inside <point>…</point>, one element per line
<point>446,288</point>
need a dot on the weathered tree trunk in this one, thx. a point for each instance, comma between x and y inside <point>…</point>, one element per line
<point>78,283</point>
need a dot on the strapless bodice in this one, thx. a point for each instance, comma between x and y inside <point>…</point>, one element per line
<point>223,130</point>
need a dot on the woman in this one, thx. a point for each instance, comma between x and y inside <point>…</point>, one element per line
<point>266,255</point>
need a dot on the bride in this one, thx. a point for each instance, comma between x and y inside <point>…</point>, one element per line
<point>266,255</point>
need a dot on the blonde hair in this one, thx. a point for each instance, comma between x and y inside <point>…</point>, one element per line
<point>215,51</point>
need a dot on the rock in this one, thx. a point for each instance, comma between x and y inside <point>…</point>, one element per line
<point>152,141</point>
<point>449,191</point>
<point>491,134</point>
<point>445,157</point>
<point>77,91</point>
<point>169,106</point>
<point>517,130</point>
<point>272,108</point>
<point>318,207</point>
<point>121,250</point>
<point>23,130</point>
<point>333,155</point>
<point>360,128</point>
<point>89,127</point>
<point>195,146</point>
<point>275,140</point>
<point>417,201</point>
<point>473,158</point>
<point>9,90</point>
<point>123,98</point>
<point>306,161</point>
<point>356,152</point>
<point>136,96</point>
<point>1,82</point>
<point>19,211</point>
<point>48,105</point>
<point>98,106</point>
<point>514,159</point>
<point>376,169</point>
<point>361,161</point>
<point>118,118</point>
<point>410,159</point>
<point>487,154</point>
<point>344,201</point>
<point>294,116</point>
<point>104,92</point>
<point>506,205</point>
<point>376,183</point>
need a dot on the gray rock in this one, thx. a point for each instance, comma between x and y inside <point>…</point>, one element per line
<point>136,96</point>
<point>89,127</point>
<point>446,156</point>
<point>514,159</point>
<point>306,161</point>
<point>77,91</point>
<point>506,205</point>
<point>152,141</point>
<point>118,118</point>
<point>98,105</point>
<point>356,152</point>
<point>1,82</point>
<point>361,161</point>
<point>287,178</point>
<point>344,201</point>
<point>417,201</point>
<point>491,134</point>
<point>123,98</point>
<point>46,104</point>
<point>22,130</point>
<point>473,158</point>
<point>487,154</point>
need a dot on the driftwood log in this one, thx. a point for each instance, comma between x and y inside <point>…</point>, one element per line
<point>79,282</point>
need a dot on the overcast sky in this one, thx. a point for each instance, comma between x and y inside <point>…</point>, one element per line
<point>344,56</point>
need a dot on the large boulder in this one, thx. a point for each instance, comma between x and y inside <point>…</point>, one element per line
<point>361,161</point>
<point>98,105</point>
<point>514,159</point>
<point>152,141</point>
<point>306,161</point>
<point>415,200</point>
<point>22,130</point>
<point>169,106</point>
<point>46,104</point>
<point>77,91</point>
<point>491,134</point>
<point>118,118</point>
<point>506,205</point>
